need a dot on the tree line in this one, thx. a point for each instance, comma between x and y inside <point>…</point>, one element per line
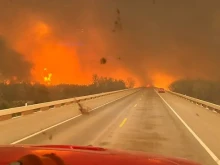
<point>201,89</point>
<point>18,94</point>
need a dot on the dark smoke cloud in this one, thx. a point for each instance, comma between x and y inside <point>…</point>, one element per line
<point>12,64</point>
<point>177,37</point>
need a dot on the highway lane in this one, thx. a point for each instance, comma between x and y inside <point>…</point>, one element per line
<point>86,128</point>
<point>204,122</point>
<point>151,126</point>
<point>140,122</point>
<point>18,128</point>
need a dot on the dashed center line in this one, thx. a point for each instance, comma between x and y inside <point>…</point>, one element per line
<point>123,122</point>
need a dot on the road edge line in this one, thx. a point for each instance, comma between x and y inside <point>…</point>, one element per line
<point>65,121</point>
<point>214,157</point>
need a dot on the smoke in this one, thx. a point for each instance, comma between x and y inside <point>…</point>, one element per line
<point>160,40</point>
<point>12,64</point>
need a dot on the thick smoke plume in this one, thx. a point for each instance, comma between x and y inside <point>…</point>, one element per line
<point>13,66</point>
<point>160,40</point>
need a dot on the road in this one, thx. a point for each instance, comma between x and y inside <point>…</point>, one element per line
<point>142,122</point>
<point>17,129</point>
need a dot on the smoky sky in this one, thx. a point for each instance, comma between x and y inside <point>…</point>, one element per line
<point>175,37</point>
<point>12,64</point>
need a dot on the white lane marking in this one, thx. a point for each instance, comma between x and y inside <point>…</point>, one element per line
<point>216,159</point>
<point>135,105</point>
<point>46,129</point>
<point>36,133</point>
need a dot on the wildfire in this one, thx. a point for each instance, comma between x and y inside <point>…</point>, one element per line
<point>162,80</point>
<point>13,79</point>
<point>7,82</point>
<point>47,77</point>
<point>66,64</point>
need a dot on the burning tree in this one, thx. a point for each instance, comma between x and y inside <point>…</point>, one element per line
<point>130,82</point>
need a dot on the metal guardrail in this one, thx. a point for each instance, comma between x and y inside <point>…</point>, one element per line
<point>26,110</point>
<point>205,104</point>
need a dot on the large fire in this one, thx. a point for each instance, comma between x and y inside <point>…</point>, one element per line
<point>56,63</point>
<point>47,76</point>
<point>162,80</point>
<point>41,47</point>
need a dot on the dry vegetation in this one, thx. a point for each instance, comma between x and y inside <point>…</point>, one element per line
<point>17,94</point>
<point>201,89</point>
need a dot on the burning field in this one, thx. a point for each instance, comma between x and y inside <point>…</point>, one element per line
<point>57,41</point>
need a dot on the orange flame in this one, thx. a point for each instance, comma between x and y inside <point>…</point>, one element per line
<point>47,77</point>
<point>66,63</point>
<point>7,82</point>
<point>162,80</point>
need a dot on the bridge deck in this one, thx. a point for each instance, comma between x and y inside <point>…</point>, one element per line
<point>143,122</point>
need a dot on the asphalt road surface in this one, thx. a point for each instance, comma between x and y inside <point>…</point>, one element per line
<point>143,122</point>
<point>16,129</point>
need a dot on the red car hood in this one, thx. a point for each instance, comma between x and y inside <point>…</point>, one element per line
<point>82,155</point>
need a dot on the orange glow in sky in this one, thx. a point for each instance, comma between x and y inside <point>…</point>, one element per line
<point>162,80</point>
<point>45,51</point>
<point>55,63</point>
